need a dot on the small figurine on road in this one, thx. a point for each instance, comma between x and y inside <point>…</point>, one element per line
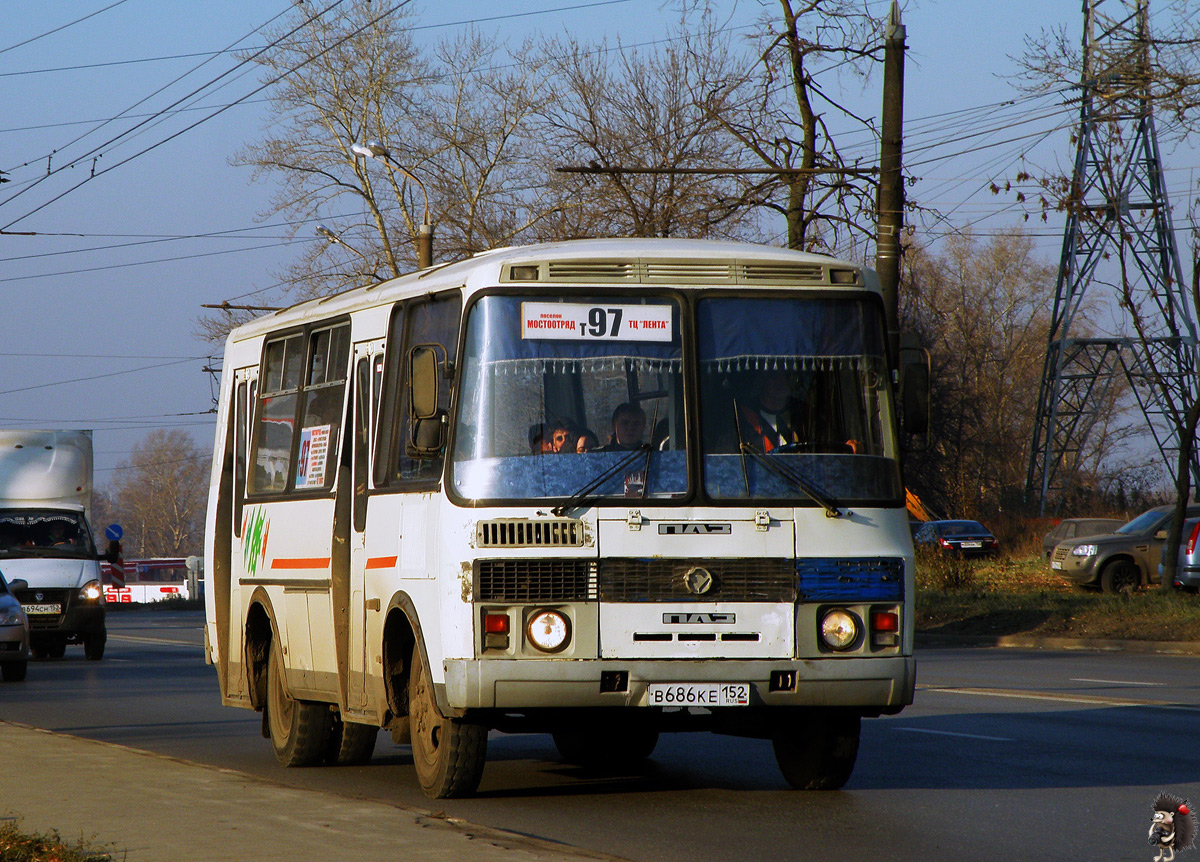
<point>1173,826</point>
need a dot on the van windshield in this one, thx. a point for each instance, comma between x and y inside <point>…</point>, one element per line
<point>44,533</point>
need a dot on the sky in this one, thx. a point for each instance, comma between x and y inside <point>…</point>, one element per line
<point>101,302</point>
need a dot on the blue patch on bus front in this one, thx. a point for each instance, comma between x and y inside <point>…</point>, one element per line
<point>831,579</point>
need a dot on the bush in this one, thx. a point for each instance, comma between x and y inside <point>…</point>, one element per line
<point>938,571</point>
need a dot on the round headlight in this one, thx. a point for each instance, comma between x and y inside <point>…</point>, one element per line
<point>839,629</point>
<point>549,631</point>
<point>91,591</point>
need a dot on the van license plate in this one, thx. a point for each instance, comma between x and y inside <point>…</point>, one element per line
<point>42,609</point>
<point>698,694</point>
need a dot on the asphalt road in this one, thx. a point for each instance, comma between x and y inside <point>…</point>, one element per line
<point>1007,754</point>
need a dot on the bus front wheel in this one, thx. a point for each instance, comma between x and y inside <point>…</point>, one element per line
<point>298,729</point>
<point>448,753</point>
<point>818,752</point>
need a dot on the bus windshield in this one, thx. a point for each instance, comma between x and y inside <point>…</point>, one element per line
<point>793,400</point>
<point>569,395</point>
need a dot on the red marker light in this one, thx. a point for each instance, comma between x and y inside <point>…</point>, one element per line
<point>495,624</point>
<point>885,621</point>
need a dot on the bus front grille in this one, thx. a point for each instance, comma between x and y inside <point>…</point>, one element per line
<point>535,580</point>
<point>699,580</point>
<point>524,533</point>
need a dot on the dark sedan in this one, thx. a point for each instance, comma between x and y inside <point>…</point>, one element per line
<point>968,538</point>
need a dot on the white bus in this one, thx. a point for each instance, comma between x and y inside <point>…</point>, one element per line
<point>600,489</point>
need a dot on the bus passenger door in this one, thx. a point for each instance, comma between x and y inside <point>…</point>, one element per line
<point>368,367</point>
<point>233,649</point>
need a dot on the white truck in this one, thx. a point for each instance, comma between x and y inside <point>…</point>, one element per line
<point>46,541</point>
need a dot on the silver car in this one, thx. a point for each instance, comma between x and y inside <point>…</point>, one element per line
<point>14,633</point>
<point>1187,571</point>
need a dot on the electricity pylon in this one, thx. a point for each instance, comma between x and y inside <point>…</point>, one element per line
<point>1118,237</point>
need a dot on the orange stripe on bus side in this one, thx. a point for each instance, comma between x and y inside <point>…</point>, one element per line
<point>381,563</point>
<point>300,563</point>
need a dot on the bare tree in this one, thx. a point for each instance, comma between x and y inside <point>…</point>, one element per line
<point>982,309</point>
<point>783,111</point>
<point>159,496</point>
<point>632,117</point>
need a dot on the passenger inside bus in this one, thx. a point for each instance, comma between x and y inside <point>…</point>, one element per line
<point>587,441</point>
<point>558,437</point>
<point>628,427</point>
<point>783,413</point>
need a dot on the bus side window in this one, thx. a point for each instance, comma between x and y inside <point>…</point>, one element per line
<point>425,321</point>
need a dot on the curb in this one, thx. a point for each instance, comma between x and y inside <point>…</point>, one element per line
<point>934,641</point>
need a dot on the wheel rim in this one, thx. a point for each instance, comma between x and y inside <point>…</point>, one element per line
<point>424,722</point>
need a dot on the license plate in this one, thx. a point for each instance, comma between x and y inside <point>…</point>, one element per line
<point>698,694</point>
<point>42,609</point>
<point>972,544</point>
<point>1055,564</point>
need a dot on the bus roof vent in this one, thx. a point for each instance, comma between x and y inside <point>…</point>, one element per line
<point>525,533</point>
<point>671,271</point>
<point>593,270</point>
<point>783,272</point>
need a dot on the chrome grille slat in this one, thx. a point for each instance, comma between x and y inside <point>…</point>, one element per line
<point>539,580</point>
<point>525,533</point>
<point>738,580</point>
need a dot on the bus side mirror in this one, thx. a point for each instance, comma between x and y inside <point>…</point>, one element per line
<point>914,385</point>
<point>427,422</point>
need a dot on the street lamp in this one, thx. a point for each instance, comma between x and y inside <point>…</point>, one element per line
<point>378,151</point>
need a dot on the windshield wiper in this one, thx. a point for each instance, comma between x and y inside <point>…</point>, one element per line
<point>584,495</point>
<point>774,466</point>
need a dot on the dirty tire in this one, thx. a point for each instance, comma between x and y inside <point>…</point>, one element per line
<point>447,753</point>
<point>1120,576</point>
<point>93,645</point>
<point>298,729</point>
<point>350,744</point>
<point>617,747</point>
<point>13,671</point>
<point>818,751</point>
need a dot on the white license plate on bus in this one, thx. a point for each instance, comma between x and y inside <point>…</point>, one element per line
<point>972,544</point>
<point>698,694</point>
<point>42,609</point>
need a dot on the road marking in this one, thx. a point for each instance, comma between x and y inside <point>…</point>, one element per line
<point>1112,681</point>
<point>952,733</point>
<point>163,641</point>
<point>1095,700</point>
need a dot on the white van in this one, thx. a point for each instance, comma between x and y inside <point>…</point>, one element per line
<point>46,541</point>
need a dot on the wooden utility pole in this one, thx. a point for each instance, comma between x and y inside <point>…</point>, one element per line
<point>890,201</point>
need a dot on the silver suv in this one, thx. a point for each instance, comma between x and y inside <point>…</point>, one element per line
<point>1122,560</point>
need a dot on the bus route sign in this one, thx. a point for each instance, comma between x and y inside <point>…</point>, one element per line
<point>576,321</point>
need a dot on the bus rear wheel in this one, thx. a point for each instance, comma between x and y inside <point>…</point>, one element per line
<point>298,729</point>
<point>448,753</point>
<point>819,751</point>
<point>350,744</point>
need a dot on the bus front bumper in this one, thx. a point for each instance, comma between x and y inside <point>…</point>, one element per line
<point>883,684</point>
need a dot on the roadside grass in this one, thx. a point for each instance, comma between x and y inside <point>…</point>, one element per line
<point>1022,595</point>
<point>18,846</point>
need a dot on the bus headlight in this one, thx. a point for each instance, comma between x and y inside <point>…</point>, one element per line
<point>549,631</point>
<point>839,629</point>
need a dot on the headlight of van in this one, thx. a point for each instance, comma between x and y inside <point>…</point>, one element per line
<point>1084,551</point>
<point>91,592</point>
